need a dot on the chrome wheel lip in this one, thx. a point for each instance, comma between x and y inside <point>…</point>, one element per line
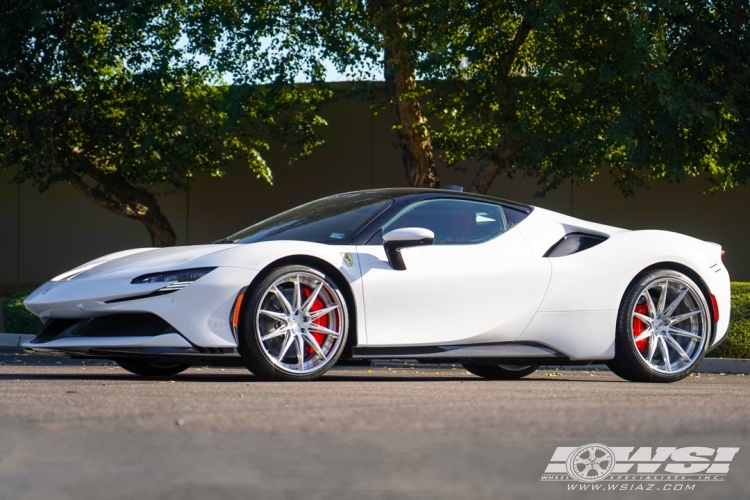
<point>662,323</point>
<point>296,322</point>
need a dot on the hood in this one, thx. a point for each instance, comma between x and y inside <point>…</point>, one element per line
<point>133,263</point>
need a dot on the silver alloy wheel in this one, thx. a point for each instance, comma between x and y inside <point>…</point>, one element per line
<point>670,323</point>
<point>300,322</point>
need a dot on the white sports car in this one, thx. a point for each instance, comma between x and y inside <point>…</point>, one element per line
<point>433,275</point>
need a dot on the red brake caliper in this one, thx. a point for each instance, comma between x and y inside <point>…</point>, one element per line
<point>639,327</point>
<point>317,305</point>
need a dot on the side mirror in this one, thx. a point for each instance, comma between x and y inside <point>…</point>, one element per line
<point>406,237</point>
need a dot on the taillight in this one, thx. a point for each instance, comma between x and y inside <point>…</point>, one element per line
<point>722,255</point>
<point>715,306</point>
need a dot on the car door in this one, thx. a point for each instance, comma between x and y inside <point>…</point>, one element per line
<point>477,282</point>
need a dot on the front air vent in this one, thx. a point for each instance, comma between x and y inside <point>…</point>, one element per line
<point>573,243</point>
<point>54,328</point>
<point>124,325</point>
<point>114,325</point>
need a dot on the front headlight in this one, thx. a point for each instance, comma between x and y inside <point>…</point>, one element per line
<point>179,279</point>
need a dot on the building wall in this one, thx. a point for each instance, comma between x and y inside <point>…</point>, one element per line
<point>42,235</point>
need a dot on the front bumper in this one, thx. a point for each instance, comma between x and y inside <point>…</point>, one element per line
<point>200,312</point>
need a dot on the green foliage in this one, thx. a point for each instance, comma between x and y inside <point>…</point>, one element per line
<point>563,90</point>
<point>737,344</point>
<point>647,90</point>
<point>689,113</point>
<point>114,96</point>
<point>16,318</point>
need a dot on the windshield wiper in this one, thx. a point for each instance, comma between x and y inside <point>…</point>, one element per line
<point>222,241</point>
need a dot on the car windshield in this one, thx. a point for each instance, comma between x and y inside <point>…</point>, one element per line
<point>334,220</point>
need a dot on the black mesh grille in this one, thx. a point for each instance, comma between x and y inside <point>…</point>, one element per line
<point>54,328</point>
<point>124,325</point>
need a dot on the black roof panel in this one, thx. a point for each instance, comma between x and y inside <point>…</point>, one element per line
<point>445,193</point>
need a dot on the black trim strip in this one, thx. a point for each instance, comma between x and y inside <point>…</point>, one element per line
<point>502,350</point>
<point>393,250</point>
<point>156,293</point>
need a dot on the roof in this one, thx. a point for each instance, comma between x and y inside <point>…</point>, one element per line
<point>446,193</point>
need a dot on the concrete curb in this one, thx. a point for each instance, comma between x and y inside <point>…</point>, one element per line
<point>725,365</point>
<point>708,365</point>
<point>14,339</point>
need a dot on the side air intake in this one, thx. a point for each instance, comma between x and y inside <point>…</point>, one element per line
<point>573,243</point>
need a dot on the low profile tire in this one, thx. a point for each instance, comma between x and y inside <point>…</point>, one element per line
<point>499,372</point>
<point>148,369</point>
<point>294,325</point>
<point>663,327</point>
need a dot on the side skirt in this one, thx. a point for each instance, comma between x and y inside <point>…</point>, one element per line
<point>475,351</point>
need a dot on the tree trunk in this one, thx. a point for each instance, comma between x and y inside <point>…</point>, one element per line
<point>117,195</point>
<point>494,167</point>
<point>416,147</point>
<point>503,155</point>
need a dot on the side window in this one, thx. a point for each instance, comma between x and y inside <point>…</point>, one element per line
<point>454,222</point>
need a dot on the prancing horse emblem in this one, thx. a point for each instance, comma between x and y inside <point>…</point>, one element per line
<point>348,259</point>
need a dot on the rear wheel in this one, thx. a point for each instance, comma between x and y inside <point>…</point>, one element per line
<point>662,328</point>
<point>295,324</point>
<point>499,372</point>
<point>149,369</point>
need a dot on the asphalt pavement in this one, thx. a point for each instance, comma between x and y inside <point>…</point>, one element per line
<point>79,430</point>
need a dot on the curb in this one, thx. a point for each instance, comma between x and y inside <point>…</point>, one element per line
<point>725,365</point>
<point>14,339</point>
<point>708,365</point>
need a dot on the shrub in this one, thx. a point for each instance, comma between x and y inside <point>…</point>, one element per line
<point>16,318</point>
<point>13,288</point>
<point>737,344</point>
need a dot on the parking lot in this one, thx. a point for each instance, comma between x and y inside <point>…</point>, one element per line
<point>72,429</point>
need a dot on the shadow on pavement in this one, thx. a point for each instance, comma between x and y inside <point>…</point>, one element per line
<point>234,378</point>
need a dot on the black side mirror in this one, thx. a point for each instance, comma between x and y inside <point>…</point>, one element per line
<point>394,241</point>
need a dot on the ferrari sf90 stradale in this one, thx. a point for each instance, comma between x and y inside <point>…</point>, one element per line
<point>433,275</point>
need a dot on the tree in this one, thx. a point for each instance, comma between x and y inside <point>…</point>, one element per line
<point>651,90</point>
<point>489,80</point>
<point>535,87</point>
<point>557,90</point>
<point>111,97</point>
<point>689,112</point>
<point>368,39</point>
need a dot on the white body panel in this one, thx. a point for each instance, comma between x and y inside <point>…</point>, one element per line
<point>502,290</point>
<point>201,311</point>
<point>589,286</point>
<point>452,294</point>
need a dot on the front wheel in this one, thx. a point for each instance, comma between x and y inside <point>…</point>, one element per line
<point>499,372</point>
<point>294,325</point>
<point>149,369</point>
<point>663,327</point>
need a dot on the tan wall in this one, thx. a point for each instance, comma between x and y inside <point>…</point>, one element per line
<point>60,229</point>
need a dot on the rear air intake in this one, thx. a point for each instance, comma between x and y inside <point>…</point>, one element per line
<point>574,243</point>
